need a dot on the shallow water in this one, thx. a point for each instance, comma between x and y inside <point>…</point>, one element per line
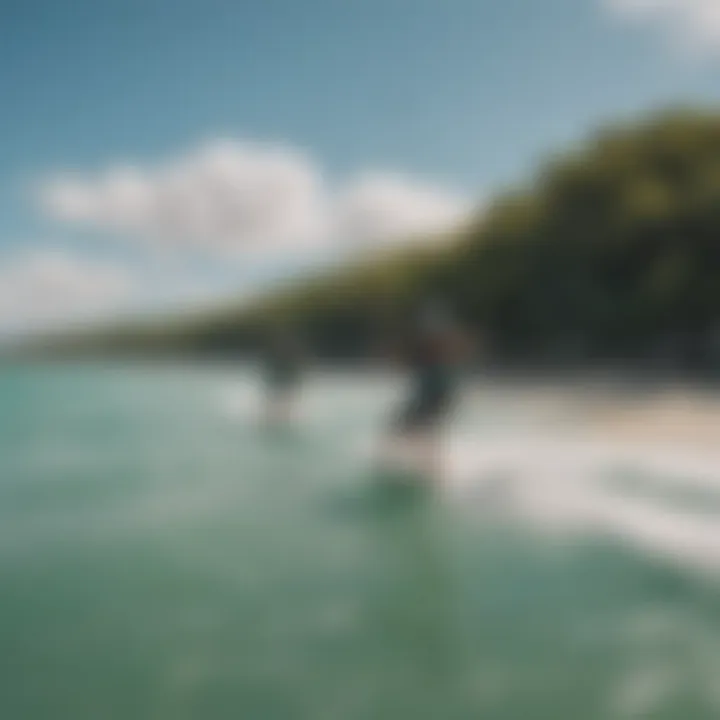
<point>161,556</point>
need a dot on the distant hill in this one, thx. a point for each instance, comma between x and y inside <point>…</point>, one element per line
<point>610,253</point>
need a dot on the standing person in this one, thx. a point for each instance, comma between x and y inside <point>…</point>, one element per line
<point>433,357</point>
<point>282,363</point>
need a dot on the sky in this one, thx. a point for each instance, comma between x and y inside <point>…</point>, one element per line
<point>159,154</point>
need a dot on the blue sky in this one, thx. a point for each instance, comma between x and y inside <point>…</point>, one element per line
<point>393,115</point>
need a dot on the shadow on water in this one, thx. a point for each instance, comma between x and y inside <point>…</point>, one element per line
<point>382,495</point>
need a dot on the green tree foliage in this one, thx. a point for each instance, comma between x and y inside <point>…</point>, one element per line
<point>611,253</point>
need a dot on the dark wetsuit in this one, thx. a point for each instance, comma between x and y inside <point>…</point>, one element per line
<point>434,386</point>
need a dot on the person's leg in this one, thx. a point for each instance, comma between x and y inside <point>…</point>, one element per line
<point>426,451</point>
<point>432,421</point>
<point>434,454</point>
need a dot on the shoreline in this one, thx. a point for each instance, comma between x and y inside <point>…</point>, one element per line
<point>611,404</point>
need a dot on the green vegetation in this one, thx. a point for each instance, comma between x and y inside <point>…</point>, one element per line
<point>611,253</point>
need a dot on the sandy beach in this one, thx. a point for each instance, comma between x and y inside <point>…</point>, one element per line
<point>677,417</point>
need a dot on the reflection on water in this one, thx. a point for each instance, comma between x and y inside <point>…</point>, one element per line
<point>162,555</point>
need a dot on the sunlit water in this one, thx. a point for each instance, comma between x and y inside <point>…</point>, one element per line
<point>163,557</point>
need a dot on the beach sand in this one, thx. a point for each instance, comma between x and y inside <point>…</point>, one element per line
<point>676,417</point>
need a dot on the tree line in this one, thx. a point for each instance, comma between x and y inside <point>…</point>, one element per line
<point>611,253</point>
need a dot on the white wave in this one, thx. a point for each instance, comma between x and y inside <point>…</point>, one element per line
<point>239,401</point>
<point>561,484</point>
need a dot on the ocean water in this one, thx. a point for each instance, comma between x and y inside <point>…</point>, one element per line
<point>162,556</point>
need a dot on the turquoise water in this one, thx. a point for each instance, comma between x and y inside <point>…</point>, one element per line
<point>163,557</point>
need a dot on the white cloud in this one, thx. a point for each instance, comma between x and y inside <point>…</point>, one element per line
<point>225,195</point>
<point>381,207</point>
<point>695,22</point>
<point>265,203</point>
<point>231,196</point>
<point>47,287</point>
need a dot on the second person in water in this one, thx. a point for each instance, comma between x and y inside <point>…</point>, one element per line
<point>283,368</point>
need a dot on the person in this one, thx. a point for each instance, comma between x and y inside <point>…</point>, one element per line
<point>433,356</point>
<point>283,373</point>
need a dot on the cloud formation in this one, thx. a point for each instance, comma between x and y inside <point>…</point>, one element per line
<point>380,208</point>
<point>230,196</point>
<point>223,196</point>
<point>267,203</point>
<point>51,286</point>
<point>695,22</point>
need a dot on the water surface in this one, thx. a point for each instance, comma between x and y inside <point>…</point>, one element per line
<point>163,557</point>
